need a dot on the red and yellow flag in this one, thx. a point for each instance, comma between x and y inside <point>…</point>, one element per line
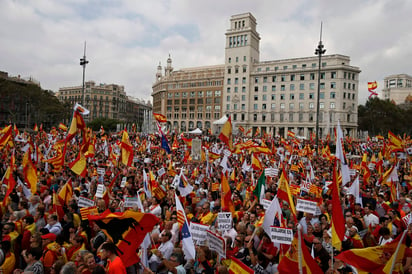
<point>79,165</point>
<point>66,193</point>
<point>285,194</point>
<point>256,164</point>
<point>160,117</point>
<point>8,178</point>
<point>127,149</point>
<point>237,267</point>
<point>126,230</point>
<point>395,143</point>
<point>338,221</point>
<point>226,134</point>
<point>226,200</point>
<point>30,172</point>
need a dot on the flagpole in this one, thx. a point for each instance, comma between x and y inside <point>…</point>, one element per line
<point>300,250</point>
<point>397,251</point>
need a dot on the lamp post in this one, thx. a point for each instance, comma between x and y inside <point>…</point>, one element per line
<point>318,51</point>
<point>83,63</point>
<point>27,117</point>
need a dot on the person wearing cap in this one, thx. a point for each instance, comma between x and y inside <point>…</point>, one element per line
<point>51,251</point>
<point>354,238</point>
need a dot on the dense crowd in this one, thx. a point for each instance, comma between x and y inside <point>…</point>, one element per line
<point>38,238</point>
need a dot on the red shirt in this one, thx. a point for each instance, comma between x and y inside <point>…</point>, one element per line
<point>116,266</point>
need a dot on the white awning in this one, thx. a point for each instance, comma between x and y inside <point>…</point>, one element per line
<point>195,131</point>
<point>221,121</point>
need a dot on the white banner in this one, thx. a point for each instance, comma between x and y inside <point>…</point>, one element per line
<point>265,203</point>
<point>161,171</point>
<point>101,171</point>
<point>199,233</point>
<point>216,243</point>
<point>224,221</point>
<point>196,152</point>
<point>100,191</point>
<point>281,235</point>
<point>306,206</point>
<point>131,202</point>
<point>271,171</point>
<point>84,202</point>
<point>123,183</point>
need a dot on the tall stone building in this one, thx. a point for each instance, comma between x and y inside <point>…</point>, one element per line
<point>274,96</point>
<point>397,88</point>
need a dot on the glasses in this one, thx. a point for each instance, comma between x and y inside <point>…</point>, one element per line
<point>205,208</point>
<point>316,243</point>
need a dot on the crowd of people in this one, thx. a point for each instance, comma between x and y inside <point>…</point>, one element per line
<point>37,238</point>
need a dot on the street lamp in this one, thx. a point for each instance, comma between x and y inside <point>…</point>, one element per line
<point>27,117</point>
<point>318,51</point>
<point>83,63</point>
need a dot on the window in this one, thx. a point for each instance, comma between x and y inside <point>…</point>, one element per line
<point>310,117</point>
<point>313,65</point>
<point>255,98</point>
<point>282,87</point>
<point>243,106</point>
<point>263,106</point>
<point>300,117</point>
<point>291,117</point>
<point>243,89</point>
<point>228,98</point>
<point>302,77</point>
<point>301,86</point>
<point>265,79</point>
<point>283,78</point>
<point>353,86</point>
<point>228,81</point>
<point>282,106</point>
<point>273,88</point>
<point>229,60</point>
<point>349,85</point>
<point>235,106</point>
<point>237,59</point>
<point>294,66</point>
<point>291,106</point>
<point>259,69</point>
<point>265,88</point>
<point>321,95</point>
<point>229,71</point>
<point>243,80</point>
<point>332,105</point>
<point>244,57</point>
<point>282,97</point>
<point>244,69</point>
<point>273,78</point>
<point>353,76</point>
<point>324,64</point>
<point>332,84</point>
<point>321,105</point>
<point>236,89</point>
<point>285,67</point>
<point>301,96</point>
<point>192,94</point>
<point>344,85</point>
<point>243,97</point>
<point>353,96</point>
<point>281,117</point>
<point>292,87</point>
<point>322,75</point>
<point>276,68</point>
<point>311,105</point>
<point>243,117</point>
<point>256,80</point>
<point>312,86</point>
<point>256,88</point>
<point>344,95</point>
<point>333,95</point>
<point>236,81</point>
<point>264,97</point>
<point>217,92</point>
<point>344,75</point>
<point>344,105</point>
<point>255,106</point>
<point>311,95</point>
<point>322,85</point>
<point>292,96</point>
<point>272,106</point>
<point>312,76</point>
<point>254,117</point>
<point>301,106</point>
<point>273,97</point>
<point>292,77</point>
<point>303,65</point>
<point>333,74</point>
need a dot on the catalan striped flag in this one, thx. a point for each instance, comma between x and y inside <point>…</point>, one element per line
<point>84,211</point>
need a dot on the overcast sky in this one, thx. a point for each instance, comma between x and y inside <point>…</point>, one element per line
<point>126,40</point>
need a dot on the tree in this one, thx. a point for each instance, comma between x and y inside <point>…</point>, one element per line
<point>108,124</point>
<point>379,116</point>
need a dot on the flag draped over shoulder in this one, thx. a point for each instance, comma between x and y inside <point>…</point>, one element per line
<point>237,267</point>
<point>226,134</point>
<point>338,221</point>
<point>376,259</point>
<point>187,240</point>
<point>127,149</point>
<point>290,262</point>
<point>126,230</point>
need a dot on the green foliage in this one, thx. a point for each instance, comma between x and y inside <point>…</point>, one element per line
<point>380,116</point>
<point>26,104</point>
<point>108,124</point>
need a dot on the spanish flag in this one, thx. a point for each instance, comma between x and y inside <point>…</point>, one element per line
<point>160,117</point>
<point>65,193</point>
<point>8,178</point>
<point>126,230</point>
<point>62,127</point>
<point>79,165</point>
<point>6,136</point>
<point>290,263</point>
<point>291,134</point>
<point>285,194</point>
<point>237,267</point>
<point>256,165</point>
<point>30,172</point>
<point>226,134</point>
<point>372,85</point>
<point>395,143</point>
<point>127,149</point>
<point>227,202</point>
<point>377,259</point>
<point>241,129</point>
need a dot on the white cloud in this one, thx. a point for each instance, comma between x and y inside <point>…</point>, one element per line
<point>127,39</point>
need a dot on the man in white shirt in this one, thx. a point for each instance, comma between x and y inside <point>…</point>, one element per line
<point>165,250</point>
<point>370,218</point>
<point>53,225</point>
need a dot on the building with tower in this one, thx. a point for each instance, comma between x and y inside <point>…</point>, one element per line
<point>272,96</point>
